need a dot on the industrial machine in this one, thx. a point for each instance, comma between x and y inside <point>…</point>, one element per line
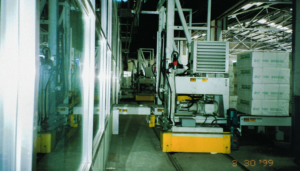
<point>144,78</point>
<point>192,97</point>
<point>60,81</point>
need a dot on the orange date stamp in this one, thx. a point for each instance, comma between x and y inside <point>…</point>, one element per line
<point>252,162</point>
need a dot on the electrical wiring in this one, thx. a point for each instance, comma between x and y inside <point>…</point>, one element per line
<point>45,97</point>
<point>193,101</point>
<point>160,66</point>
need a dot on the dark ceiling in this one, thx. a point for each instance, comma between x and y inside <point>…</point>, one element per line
<point>144,36</point>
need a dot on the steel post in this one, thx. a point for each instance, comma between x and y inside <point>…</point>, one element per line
<point>53,17</point>
<point>296,82</point>
<point>208,19</point>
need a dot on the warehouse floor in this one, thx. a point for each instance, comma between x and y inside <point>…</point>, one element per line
<point>137,147</point>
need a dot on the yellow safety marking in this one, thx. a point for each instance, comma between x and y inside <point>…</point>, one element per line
<point>124,110</point>
<point>252,120</point>
<point>246,119</point>
<point>193,79</point>
<point>204,79</point>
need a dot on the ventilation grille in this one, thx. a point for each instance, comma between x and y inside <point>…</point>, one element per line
<point>210,57</point>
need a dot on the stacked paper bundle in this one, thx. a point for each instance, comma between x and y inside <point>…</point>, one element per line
<point>232,71</point>
<point>263,83</point>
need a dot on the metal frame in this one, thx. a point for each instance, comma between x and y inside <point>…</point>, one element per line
<point>260,37</point>
<point>264,121</point>
<point>18,93</point>
<point>18,90</point>
<point>188,28</point>
<point>127,109</point>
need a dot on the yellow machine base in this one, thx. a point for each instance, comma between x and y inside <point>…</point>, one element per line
<point>46,142</point>
<point>195,142</point>
<point>144,98</point>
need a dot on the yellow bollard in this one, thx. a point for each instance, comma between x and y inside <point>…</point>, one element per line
<point>152,121</point>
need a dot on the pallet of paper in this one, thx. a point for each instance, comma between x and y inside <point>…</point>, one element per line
<point>264,75</point>
<point>232,88</point>
<point>263,107</point>
<point>233,101</point>
<point>263,59</point>
<point>264,91</point>
<point>232,78</point>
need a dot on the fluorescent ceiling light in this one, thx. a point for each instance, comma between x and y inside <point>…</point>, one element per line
<point>258,3</point>
<point>262,21</point>
<point>289,31</point>
<point>272,24</point>
<point>280,26</point>
<point>203,34</point>
<point>284,28</point>
<point>196,36</point>
<point>247,6</point>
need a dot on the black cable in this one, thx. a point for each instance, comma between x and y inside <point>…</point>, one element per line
<point>45,97</point>
<point>206,116</point>
<point>204,120</point>
<point>175,56</point>
<point>171,95</point>
<point>182,74</point>
<point>193,100</point>
<point>160,67</point>
<point>216,120</point>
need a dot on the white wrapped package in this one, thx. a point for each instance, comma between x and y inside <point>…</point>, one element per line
<point>263,91</point>
<point>232,88</point>
<point>264,107</point>
<point>232,72</point>
<point>264,75</point>
<point>263,59</point>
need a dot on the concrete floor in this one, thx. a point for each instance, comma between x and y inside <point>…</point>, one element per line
<point>65,156</point>
<point>138,148</point>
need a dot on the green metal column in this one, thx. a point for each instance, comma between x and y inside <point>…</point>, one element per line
<point>296,81</point>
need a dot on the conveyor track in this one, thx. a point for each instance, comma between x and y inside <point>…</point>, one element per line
<point>171,157</point>
<point>179,168</point>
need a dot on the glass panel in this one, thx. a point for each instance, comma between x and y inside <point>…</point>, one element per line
<point>62,87</point>
<point>108,81</point>
<point>98,125</point>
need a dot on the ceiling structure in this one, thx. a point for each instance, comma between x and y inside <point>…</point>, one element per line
<point>260,26</point>
<point>251,24</point>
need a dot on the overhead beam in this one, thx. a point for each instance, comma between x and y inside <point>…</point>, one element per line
<point>125,39</point>
<point>189,28</point>
<point>149,12</point>
<point>253,9</point>
<point>274,1</point>
<point>235,7</point>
